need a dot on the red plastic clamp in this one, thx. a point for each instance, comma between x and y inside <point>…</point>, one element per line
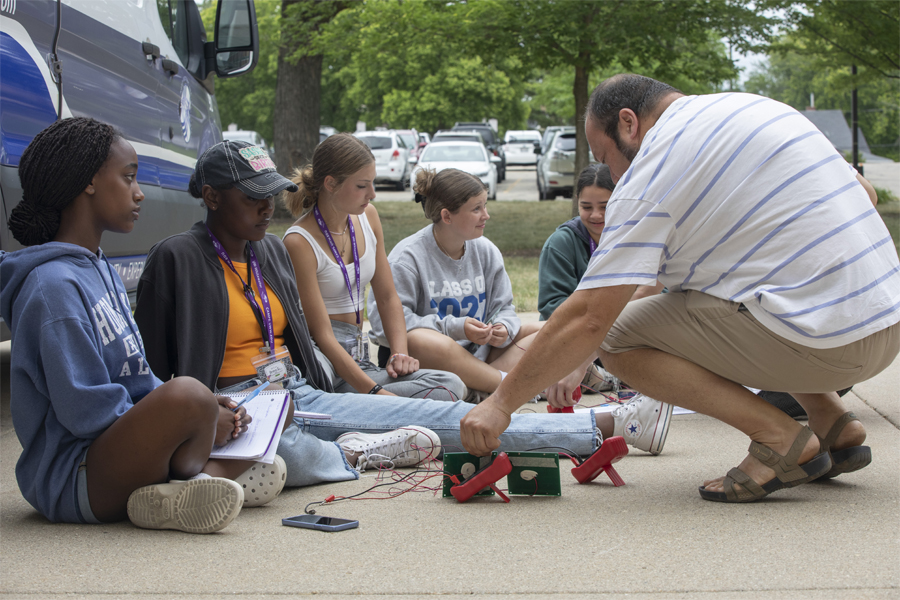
<point>486,477</point>
<point>610,451</point>
<point>576,396</point>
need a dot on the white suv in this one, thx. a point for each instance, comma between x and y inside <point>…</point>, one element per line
<point>391,156</point>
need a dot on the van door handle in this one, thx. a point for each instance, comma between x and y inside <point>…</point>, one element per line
<point>170,66</point>
<point>151,50</point>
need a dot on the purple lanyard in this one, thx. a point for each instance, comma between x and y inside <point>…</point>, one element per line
<point>340,261</point>
<point>268,329</point>
<point>593,245</point>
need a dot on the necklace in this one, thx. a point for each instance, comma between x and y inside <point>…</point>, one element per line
<point>342,232</point>
<point>442,248</point>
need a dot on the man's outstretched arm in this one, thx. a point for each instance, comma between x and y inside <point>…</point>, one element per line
<point>573,332</point>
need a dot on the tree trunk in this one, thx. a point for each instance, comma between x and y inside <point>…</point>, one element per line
<point>297,94</point>
<point>580,89</point>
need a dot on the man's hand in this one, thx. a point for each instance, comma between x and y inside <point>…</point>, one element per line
<point>559,395</point>
<point>477,332</point>
<point>480,429</point>
<point>499,334</point>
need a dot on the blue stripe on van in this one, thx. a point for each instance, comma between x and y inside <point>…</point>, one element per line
<point>164,173</point>
<point>25,106</point>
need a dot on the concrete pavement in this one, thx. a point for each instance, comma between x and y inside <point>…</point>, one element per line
<point>653,538</point>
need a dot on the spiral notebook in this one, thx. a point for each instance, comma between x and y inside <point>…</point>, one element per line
<point>260,440</point>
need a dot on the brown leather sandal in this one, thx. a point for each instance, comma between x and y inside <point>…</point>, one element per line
<point>787,472</point>
<point>849,459</point>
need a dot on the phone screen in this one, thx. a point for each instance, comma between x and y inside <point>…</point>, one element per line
<point>318,522</point>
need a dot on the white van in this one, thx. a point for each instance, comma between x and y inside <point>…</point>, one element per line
<point>143,66</point>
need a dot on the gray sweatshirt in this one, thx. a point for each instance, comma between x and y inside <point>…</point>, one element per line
<point>438,292</point>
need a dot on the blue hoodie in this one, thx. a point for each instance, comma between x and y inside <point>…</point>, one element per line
<point>77,364</point>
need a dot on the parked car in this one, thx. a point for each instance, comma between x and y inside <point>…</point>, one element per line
<point>391,156</point>
<point>556,167</point>
<point>548,135</point>
<point>251,137</point>
<point>325,132</point>
<point>424,138</point>
<point>494,145</point>
<point>519,146</point>
<point>410,137</point>
<point>143,67</point>
<point>471,157</point>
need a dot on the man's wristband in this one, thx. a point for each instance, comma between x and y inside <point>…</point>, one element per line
<point>393,356</point>
<point>375,389</point>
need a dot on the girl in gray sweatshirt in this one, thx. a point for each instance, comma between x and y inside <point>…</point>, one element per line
<point>457,298</point>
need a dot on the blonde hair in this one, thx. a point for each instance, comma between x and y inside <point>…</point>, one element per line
<point>450,189</point>
<point>339,156</point>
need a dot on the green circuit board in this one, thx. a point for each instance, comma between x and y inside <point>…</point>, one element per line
<point>533,473</point>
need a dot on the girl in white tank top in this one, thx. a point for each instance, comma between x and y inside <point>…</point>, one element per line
<point>337,248</point>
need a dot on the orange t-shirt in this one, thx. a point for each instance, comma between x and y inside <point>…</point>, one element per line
<point>245,337</point>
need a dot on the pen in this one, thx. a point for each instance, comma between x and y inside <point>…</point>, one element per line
<point>251,396</point>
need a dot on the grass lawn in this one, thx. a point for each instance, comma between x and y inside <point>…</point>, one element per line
<point>519,229</point>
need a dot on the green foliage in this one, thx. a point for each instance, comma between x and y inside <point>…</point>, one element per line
<point>886,196</point>
<point>249,100</point>
<point>837,33</point>
<point>417,64</point>
<point>791,76</point>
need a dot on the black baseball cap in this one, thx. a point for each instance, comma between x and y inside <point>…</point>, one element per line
<point>242,165</point>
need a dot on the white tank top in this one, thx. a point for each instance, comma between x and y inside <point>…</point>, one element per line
<point>331,280</point>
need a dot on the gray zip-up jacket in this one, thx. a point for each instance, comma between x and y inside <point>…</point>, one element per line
<point>182,308</point>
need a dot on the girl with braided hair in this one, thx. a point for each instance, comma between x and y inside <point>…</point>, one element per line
<point>101,435</point>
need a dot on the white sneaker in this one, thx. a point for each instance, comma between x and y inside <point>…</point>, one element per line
<point>644,423</point>
<point>194,506</point>
<point>404,447</point>
<point>598,379</point>
<point>262,482</point>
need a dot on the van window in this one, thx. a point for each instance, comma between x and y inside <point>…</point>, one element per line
<point>174,20</point>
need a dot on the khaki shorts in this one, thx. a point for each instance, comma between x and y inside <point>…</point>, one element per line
<point>723,337</point>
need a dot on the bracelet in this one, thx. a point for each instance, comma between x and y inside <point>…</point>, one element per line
<point>375,389</point>
<point>393,356</point>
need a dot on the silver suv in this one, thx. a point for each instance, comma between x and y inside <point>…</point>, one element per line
<point>556,166</point>
<point>391,156</point>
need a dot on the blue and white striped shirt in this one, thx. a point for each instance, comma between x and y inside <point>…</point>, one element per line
<point>741,197</point>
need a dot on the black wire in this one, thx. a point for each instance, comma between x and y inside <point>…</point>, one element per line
<point>570,452</point>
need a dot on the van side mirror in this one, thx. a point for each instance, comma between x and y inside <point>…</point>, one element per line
<point>236,47</point>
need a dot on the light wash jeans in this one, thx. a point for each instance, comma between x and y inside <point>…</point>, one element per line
<point>312,456</point>
<point>424,383</point>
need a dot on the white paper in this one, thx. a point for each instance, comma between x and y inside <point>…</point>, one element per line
<point>260,440</point>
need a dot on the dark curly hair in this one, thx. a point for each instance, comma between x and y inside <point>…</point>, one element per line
<point>55,168</point>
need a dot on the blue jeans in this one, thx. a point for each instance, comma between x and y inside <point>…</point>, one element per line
<point>311,455</point>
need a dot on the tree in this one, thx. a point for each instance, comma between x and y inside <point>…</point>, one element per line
<point>417,63</point>
<point>663,38</point>
<point>838,33</point>
<point>298,89</point>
